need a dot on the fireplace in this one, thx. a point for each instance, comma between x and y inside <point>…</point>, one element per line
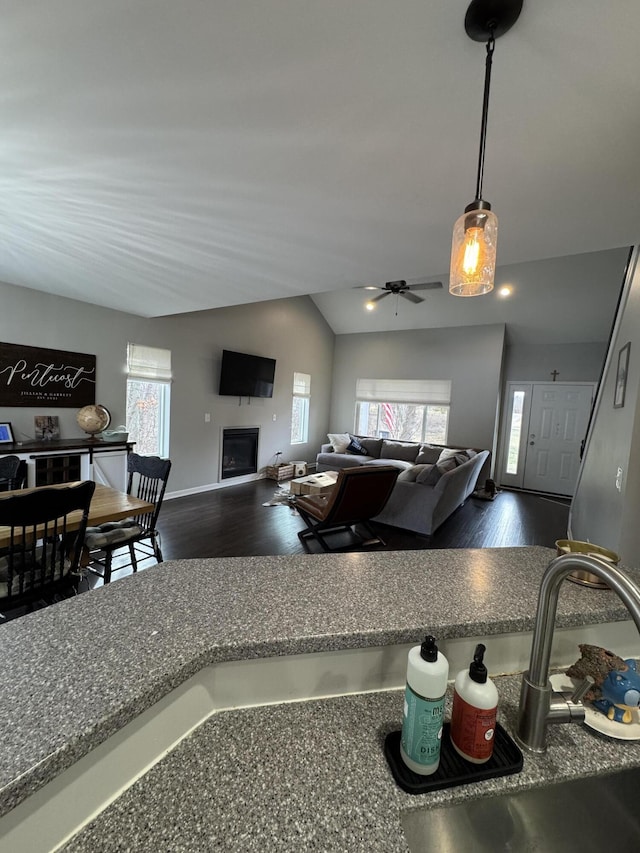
<point>239,451</point>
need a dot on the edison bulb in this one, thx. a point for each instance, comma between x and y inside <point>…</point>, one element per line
<point>473,253</point>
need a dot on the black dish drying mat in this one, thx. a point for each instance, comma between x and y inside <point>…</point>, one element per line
<point>453,769</point>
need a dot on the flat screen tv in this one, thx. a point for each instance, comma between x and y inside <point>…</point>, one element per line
<point>243,375</point>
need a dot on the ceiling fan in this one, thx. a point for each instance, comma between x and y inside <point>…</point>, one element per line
<point>401,288</point>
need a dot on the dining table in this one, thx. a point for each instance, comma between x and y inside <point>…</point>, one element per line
<point>107,504</point>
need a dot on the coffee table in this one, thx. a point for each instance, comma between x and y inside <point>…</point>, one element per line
<point>314,484</point>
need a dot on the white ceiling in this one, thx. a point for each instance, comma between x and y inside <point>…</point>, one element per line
<point>163,157</point>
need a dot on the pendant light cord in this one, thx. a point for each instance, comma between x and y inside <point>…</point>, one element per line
<point>485,110</point>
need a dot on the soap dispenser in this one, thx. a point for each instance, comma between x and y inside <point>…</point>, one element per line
<point>422,720</point>
<point>475,705</point>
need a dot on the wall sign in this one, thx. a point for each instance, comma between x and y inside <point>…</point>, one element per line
<point>31,376</point>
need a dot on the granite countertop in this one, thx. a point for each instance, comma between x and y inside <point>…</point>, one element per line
<point>312,776</point>
<point>75,673</point>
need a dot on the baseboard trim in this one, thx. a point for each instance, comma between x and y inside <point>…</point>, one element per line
<point>212,487</point>
<point>548,495</point>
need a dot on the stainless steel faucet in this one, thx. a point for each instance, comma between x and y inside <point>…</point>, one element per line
<point>537,709</point>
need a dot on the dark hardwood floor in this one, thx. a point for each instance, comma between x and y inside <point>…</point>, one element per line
<point>233,522</point>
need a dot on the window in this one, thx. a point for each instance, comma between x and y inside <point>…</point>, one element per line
<point>515,432</point>
<point>404,409</point>
<point>300,408</point>
<point>148,399</point>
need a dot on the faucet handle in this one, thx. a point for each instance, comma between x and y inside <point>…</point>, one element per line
<point>585,685</point>
<point>568,707</point>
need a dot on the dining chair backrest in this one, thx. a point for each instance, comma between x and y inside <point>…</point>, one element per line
<point>44,542</point>
<point>10,477</point>
<point>147,480</point>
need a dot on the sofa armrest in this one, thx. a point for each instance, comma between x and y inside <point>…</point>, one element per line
<point>464,476</point>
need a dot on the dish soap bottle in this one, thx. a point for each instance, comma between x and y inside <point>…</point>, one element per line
<point>427,673</point>
<point>475,704</point>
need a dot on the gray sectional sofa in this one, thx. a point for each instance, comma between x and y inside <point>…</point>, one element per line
<point>434,480</point>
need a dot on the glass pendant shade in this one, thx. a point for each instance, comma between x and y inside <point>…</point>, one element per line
<point>473,253</point>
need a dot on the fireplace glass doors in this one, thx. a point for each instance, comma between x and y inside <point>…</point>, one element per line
<point>239,451</point>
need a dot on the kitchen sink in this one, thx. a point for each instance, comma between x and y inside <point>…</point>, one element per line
<point>581,815</point>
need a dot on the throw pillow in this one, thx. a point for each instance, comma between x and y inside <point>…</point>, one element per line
<point>428,454</point>
<point>396,450</point>
<point>373,446</point>
<point>339,441</point>
<point>448,453</point>
<point>355,447</point>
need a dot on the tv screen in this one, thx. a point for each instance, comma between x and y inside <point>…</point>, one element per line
<point>243,375</point>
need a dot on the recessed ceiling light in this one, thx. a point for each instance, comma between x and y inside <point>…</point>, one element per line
<point>505,290</point>
<point>370,306</point>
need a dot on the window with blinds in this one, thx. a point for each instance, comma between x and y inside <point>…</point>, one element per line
<point>300,408</point>
<point>149,363</point>
<point>148,398</point>
<point>403,409</point>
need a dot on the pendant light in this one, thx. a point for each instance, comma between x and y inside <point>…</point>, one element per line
<point>475,234</point>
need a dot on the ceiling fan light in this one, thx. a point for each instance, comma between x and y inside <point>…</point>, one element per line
<point>473,253</point>
<point>370,306</point>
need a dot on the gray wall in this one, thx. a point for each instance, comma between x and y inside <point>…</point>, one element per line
<point>290,330</point>
<point>38,319</point>
<point>600,512</point>
<point>574,362</point>
<point>471,357</point>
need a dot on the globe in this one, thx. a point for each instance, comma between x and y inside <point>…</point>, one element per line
<point>93,419</point>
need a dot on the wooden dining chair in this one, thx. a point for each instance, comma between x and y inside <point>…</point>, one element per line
<point>358,495</point>
<point>147,480</point>
<point>42,559</point>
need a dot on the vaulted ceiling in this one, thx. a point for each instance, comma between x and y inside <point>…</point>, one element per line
<point>165,157</point>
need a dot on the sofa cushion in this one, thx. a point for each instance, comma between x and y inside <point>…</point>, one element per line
<point>339,441</point>
<point>428,454</point>
<point>356,447</point>
<point>335,461</point>
<point>396,450</point>
<point>432,473</point>
<point>373,446</point>
<point>395,463</point>
<point>410,475</point>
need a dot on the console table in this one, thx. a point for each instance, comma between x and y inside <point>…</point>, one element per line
<point>67,460</point>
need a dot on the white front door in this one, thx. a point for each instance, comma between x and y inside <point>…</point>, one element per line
<point>543,434</point>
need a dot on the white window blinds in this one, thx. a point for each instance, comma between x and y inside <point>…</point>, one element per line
<point>301,384</point>
<point>148,363</point>
<point>426,391</point>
